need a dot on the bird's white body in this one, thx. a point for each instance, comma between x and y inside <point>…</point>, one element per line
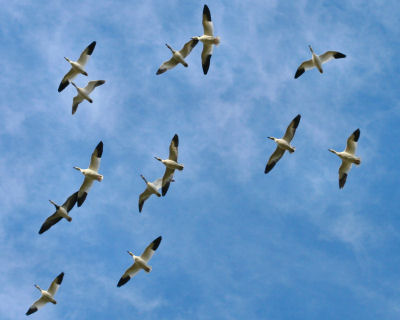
<point>171,164</point>
<point>142,264</point>
<point>345,156</point>
<point>91,174</point>
<point>208,39</point>
<point>46,295</point>
<point>63,213</point>
<point>317,61</point>
<point>152,188</point>
<point>77,67</point>
<point>84,94</point>
<point>283,144</point>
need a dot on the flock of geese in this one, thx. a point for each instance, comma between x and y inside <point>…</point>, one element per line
<point>171,164</point>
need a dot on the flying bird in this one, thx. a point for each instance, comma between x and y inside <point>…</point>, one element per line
<point>283,144</point>
<point>77,67</point>
<point>348,157</point>
<point>61,212</point>
<point>140,262</point>
<point>90,173</point>
<point>317,61</point>
<point>177,56</point>
<point>83,93</point>
<point>207,39</point>
<point>171,164</point>
<point>47,296</point>
<point>151,188</point>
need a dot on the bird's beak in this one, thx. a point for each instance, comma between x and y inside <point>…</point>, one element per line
<point>130,253</point>
<point>76,168</point>
<point>270,138</point>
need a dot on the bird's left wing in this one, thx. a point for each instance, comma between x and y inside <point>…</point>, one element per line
<point>343,171</point>
<point>70,202</point>
<point>166,180</point>
<point>329,55</point>
<point>55,284</point>
<point>352,142</point>
<point>207,23</point>
<point>96,157</point>
<point>187,48</point>
<point>75,103</point>
<point>129,273</point>
<point>151,248</point>
<point>83,191</point>
<point>50,221</point>
<point>36,305</point>
<point>278,153</point>
<point>167,65</point>
<point>71,74</point>
<point>306,65</point>
<point>291,129</point>
<point>143,197</point>
<point>206,56</point>
<point>173,148</point>
<point>84,57</point>
<point>93,84</point>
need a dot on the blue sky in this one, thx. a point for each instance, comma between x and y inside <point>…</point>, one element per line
<point>237,244</point>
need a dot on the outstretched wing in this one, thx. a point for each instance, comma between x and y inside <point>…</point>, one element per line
<point>50,221</point>
<point>96,157</point>
<point>75,103</point>
<point>167,65</point>
<point>278,153</point>
<point>143,197</point>
<point>329,55</point>
<point>166,180</point>
<point>83,191</point>
<point>129,273</point>
<point>36,305</point>
<point>352,142</point>
<point>173,148</point>
<point>306,65</point>
<point>206,56</point>
<point>93,84</point>
<point>187,48</point>
<point>343,171</point>
<point>84,57</point>
<point>207,23</point>
<point>55,284</point>
<point>70,202</point>
<point>291,129</point>
<point>71,74</point>
<point>150,249</point>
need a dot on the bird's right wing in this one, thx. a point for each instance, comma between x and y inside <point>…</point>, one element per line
<point>70,202</point>
<point>306,65</point>
<point>187,48</point>
<point>36,305</point>
<point>75,103</point>
<point>207,23</point>
<point>329,55</point>
<point>151,248</point>
<point>71,74</point>
<point>352,142</point>
<point>166,180</point>
<point>291,129</point>
<point>129,273</point>
<point>55,284</point>
<point>143,197</point>
<point>173,148</point>
<point>206,56</point>
<point>278,153</point>
<point>96,157</point>
<point>84,57</point>
<point>93,84</point>
<point>343,171</point>
<point>83,191</point>
<point>50,221</point>
<point>167,65</point>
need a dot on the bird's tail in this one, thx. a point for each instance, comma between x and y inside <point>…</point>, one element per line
<point>217,40</point>
<point>100,178</point>
<point>185,64</point>
<point>357,161</point>
<point>293,149</point>
<point>69,219</point>
<point>147,268</point>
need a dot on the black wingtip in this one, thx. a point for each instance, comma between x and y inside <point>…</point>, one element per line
<point>60,278</point>
<point>339,55</point>
<point>206,64</point>
<point>91,48</point>
<point>194,42</point>
<point>156,243</point>
<point>31,310</point>
<point>299,72</point>
<point>82,199</point>
<point>175,139</point>
<point>63,85</point>
<point>160,71</point>
<point>165,188</point>
<point>356,135</point>
<point>42,229</point>
<point>141,206</point>
<point>342,181</point>
<point>268,168</point>
<point>297,121</point>
<point>207,12</point>
<point>99,149</point>
<point>122,281</point>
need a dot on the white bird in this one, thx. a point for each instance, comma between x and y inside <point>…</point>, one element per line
<point>151,188</point>
<point>348,157</point>
<point>90,173</point>
<point>83,93</point>
<point>140,262</point>
<point>207,39</point>
<point>177,56</point>
<point>61,212</point>
<point>317,61</point>
<point>47,296</point>
<point>283,144</point>
<point>77,67</point>
<point>171,164</point>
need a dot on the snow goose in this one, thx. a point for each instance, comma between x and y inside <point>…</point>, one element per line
<point>177,56</point>
<point>348,157</point>
<point>140,262</point>
<point>171,164</point>
<point>90,173</point>
<point>61,212</point>
<point>283,144</point>
<point>77,67</point>
<point>317,61</point>
<point>207,39</point>
<point>151,188</point>
<point>47,296</point>
<point>83,93</point>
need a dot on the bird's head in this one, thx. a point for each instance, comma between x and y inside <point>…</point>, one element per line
<point>77,168</point>
<point>331,150</point>
<point>157,158</point>
<point>272,138</point>
<point>131,254</point>
<point>67,59</point>
<point>311,48</point>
